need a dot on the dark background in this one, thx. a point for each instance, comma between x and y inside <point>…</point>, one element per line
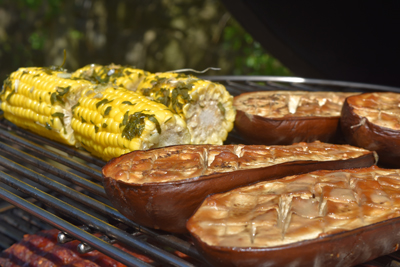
<point>152,35</point>
<point>341,40</point>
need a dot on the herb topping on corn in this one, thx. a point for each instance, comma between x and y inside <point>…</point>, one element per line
<point>126,77</point>
<point>111,121</point>
<point>35,99</point>
<point>205,106</point>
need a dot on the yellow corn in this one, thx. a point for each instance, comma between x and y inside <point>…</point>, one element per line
<point>205,106</point>
<point>106,120</point>
<point>126,77</point>
<point>110,121</point>
<point>35,99</point>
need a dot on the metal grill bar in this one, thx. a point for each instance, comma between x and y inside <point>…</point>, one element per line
<point>297,80</point>
<point>48,217</point>
<point>43,165</point>
<point>92,221</point>
<point>94,204</point>
<point>168,240</point>
<point>85,169</point>
<point>20,223</point>
<point>11,231</point>
<point>68,150</point>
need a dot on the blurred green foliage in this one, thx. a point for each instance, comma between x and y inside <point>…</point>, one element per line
<point>249,57</point>
<point>154,35</point>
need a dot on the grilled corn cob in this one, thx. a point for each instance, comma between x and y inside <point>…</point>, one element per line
<point>205,106</point>
<point>35,99</point>
<point>126,77</point>
<point>110,121</point>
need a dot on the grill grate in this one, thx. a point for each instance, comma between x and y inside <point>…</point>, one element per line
<point>48,185</point>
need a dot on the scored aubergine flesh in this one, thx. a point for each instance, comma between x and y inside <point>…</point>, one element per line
<point>161,188</point>
<point>280,217</point>
<point>182,162</point>
<point>287,117</point>
<point>381,109</point>
<point>279,104</point>
<point>372,121</point>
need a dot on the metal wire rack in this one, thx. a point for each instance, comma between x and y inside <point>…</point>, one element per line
<point>46,185</point>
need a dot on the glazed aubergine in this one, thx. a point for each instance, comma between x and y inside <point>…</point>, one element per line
<point>323,218</point>
<point>161,188</point>
<point>372,121</point>
<point>287,117</point>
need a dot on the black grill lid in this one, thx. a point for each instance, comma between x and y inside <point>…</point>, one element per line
<point>345,40</point>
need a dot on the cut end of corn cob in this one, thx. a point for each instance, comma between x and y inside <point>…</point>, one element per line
<point>207,107</point>
<point>122,76</point>
<point>35,99</point>
<point>111,121</point>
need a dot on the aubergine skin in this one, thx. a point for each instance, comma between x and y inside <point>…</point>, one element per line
<point>285,131</point>
<point>167,206</point>
<point>385,141</point>
<point>341,249</point>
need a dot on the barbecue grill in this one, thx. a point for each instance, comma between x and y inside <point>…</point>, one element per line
<point>46,185</point>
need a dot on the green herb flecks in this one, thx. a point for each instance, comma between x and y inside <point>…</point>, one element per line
<point>221,108</point>
<point>9,95</point>
<point>96,129</point>
<point>104,125</point>
<point>48,71</point>
<point>23,73</point>
<point>136,124</point>
<point>7,83</point>
<point>104,101</point>
<point>83,120</point>
<point>160,80</point>
<point>97,77</point>
<point>125,119</point>
<point>73,107</point>
<point>182,75</point>
<point>60,116</point>
<point>48,127</point>
<point>108,109</point>
<point>128,103</point>
<point>57,96</point>
<point>146,91</point>
<point>58,68</point>
<point>163,96</point>
<point>180,96</point>
<point>155,121</point>
<point>61,91</point>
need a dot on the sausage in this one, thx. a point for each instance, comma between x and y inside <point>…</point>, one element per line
<point>42,249</point>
